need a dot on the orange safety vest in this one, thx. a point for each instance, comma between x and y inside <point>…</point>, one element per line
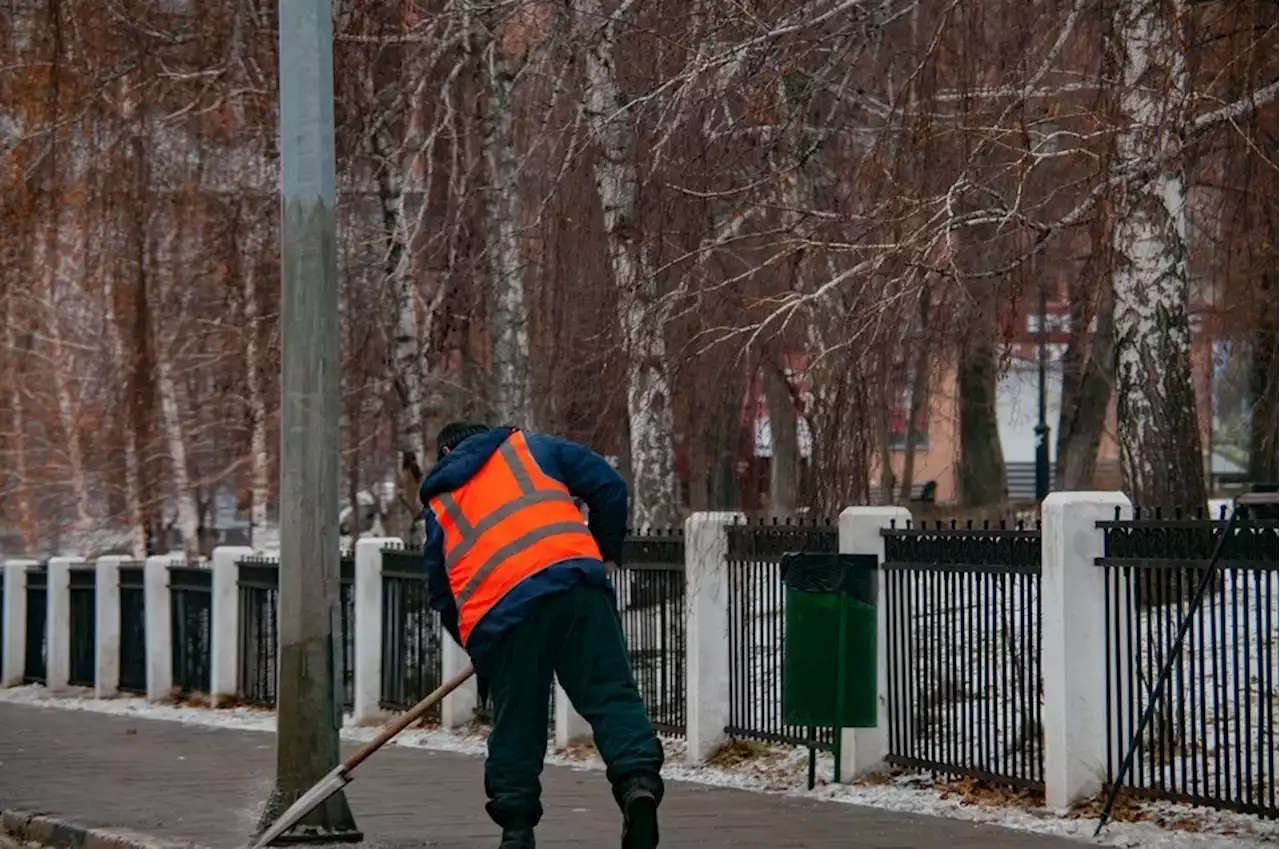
<point>508,522</point>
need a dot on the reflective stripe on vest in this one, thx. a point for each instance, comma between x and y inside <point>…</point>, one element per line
<point>506,523</point>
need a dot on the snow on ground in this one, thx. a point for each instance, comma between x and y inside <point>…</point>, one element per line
<point>960,670</point>
<point>761,769</point>
<point>961,688</point>
<point>1223,700</point>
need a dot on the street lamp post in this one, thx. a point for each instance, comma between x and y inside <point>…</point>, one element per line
<point>1042,426</point>
<point>308,701</point>
<point>1047,144</point>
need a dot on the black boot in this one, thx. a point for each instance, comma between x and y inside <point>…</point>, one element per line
<point>516,838</point>
<point>639,817</point>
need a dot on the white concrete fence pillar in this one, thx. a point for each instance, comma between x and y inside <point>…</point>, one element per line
<point>224,610</point>
<point>459,707</point>
<point>706,540</point>
<point>570,727</point>
<point>106,677</point>
<point>58,606</point>
<point>863,750</point>
<point>1074,662</point>
<point>366,709</point>
<point>159,636</point>
<point>13,664</point>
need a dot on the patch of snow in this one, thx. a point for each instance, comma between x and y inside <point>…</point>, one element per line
<point>774,770</point>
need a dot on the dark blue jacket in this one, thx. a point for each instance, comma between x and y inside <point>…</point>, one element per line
<point>586,475</point>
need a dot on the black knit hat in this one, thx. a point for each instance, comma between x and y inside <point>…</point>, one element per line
<point>452,435</point>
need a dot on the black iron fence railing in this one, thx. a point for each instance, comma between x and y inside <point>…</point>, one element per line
<point>258,587</point>
<point>34,665</point>
<point>258,643</point>
<point>191,625</point>
<point>133,629</point>
<point>756,627</point>
<point>650,588</point>
<point>347,624</point>
<point>964,651</point>
<point>411,631</point>
<point>82,602</point>
<point>1212,736</point>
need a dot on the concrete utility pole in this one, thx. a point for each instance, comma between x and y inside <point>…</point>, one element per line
<point>308,709</point>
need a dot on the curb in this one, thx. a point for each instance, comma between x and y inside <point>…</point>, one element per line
<point>63,833</point>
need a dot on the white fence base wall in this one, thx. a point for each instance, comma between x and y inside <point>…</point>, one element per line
<point>366,707</point>
<point>571,728</point>
<point>706,547</point>
<point>106,678</point>
<point>224,612</point>
<point>13,664</point>
<point>1074,658</point>
<point>863,750</point>
<point>159,628</point>
<point>58,620</point>
<point>459,707</point>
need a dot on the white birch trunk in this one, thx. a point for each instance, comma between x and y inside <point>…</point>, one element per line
<point>408,374</point>
<point>259,460</point>
<point>132,487</point>
<point>508,322</point>
<point>171,423</point>
<point>1156,405</point>
<point>654,500</point>
<point>407,371</point>
<point>49,259</point>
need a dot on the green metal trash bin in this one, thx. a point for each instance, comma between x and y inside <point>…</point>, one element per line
<point>829,640</point>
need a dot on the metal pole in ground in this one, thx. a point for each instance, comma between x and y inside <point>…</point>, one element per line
<point>309,712</point>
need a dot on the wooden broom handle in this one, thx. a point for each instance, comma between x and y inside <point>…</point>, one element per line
<point>407,718</point>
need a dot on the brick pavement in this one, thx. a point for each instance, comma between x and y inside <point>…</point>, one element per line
<point>203,785</point>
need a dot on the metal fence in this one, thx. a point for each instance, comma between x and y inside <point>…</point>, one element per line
<point>34,665</point>
<point>258,644</point>
<point>411,631</point>
<point>964,650</point>
<point>82,602</point>
<point>133,629</point>
<point>191,627</point>
<point>756,618</point>
<point>650,590</point>
<point>1212,738</point>
<point>258,586</point>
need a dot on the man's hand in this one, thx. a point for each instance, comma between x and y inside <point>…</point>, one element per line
<point>610,566</point>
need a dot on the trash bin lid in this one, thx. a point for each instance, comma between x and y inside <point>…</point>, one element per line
<point>824,572</point>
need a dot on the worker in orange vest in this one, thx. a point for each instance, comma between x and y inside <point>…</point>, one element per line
<point>520,581</point>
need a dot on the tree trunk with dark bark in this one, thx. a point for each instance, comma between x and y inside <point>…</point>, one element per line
<point>981,473</point>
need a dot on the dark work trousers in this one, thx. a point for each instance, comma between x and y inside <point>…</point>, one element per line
<point>575,634</point>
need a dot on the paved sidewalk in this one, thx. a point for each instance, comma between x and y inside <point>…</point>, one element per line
<point>204,785</point>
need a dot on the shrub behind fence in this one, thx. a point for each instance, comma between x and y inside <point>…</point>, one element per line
<point>1212,737</point>
<point>965,685</point>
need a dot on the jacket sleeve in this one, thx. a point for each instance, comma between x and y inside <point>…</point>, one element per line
<point>438,591</point>
<point>590,478</point>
